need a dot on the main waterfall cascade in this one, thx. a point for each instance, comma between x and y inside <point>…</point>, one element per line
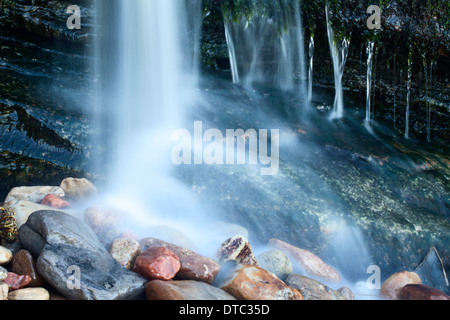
<point>149,70</point>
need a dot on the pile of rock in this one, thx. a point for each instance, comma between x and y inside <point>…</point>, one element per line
<point>22,282</point>
<point>64,254</point>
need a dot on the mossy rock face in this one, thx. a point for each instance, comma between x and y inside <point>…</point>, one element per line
<point>48,18</point>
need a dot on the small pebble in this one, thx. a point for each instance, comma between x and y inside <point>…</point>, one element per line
<point>3,291</point>
<point>125,251</point>
<point>38,294</point>
<point>3,274</point>
<point>5,256</point>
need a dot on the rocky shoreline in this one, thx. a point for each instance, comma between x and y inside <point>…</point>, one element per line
<point>52,251</point>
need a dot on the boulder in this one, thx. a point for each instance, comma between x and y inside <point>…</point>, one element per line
<point>157,263</point>
<point>276,262</point>
<point>432,271</point>
<point>105,222</point>
<point>312,289</point>
<point>78,189</point>
<point>394,283</point>
<point>74,262</point>
<point>237,249</point>
<point>193,265</point>
<point>308,261</point>
<point>184,290</point>
<point>23,209</point>
<point>248,282</point>
<point>420,292</point>
<point>125,251</point>
<point>33,194</point>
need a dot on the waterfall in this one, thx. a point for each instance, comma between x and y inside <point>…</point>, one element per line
<point>395,93</point>
<point>232,54</point>
<point>428,86</point>
<point>339,54</point>
<point>148,69</point>
<point>311,68</point>
<point>246,39</point>
<point>368,120</point>
<point>269,49</point>
<point>408,96</point>
<point>300,47</point>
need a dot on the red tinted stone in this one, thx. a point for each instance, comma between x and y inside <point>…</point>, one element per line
<point>16,282</point>
<point>157,263</point>
<point>24,264</point>
<point>193,266</point>
<point>421,292</point>
<point>55,202</point>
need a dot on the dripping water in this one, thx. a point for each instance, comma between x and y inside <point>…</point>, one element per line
<point>311,68</point>
<point>339,54</point>
<point>368,120</point>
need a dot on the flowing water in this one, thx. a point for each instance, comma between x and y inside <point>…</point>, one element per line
<point>358,200</point>
<point>269,50</point>
<point>337,186</point>
<point>154,50</point>
<point>339,54</point>
<point>408,98</point>
<point>368,121</point>
<point>311,68</point>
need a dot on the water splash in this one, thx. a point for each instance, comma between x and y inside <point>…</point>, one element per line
<point>339,54</point>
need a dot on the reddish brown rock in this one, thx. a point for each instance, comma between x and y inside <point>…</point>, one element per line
<point>16,282</point>
<point>157,263</point>
<point>421,292</point>
<point>312,289</point>
<point>53,201</point>
<point>311,263</point>
<point>237,249</point>
<point>249,282</point>
<point>193,265</point>
<point>184,290</point>
<point>23,263</point>
<point>397,281</point>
